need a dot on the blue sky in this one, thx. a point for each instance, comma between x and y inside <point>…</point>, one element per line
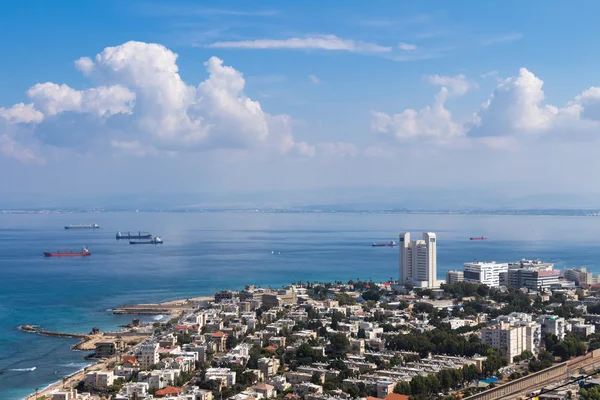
<point>224,96</point>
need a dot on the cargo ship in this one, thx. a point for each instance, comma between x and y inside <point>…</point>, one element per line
<point>390,244</point>
<point>478,238</point>
<point>129,235</point>
<point>68,253</point>
<point>154,240</point>
<point>83,226</point>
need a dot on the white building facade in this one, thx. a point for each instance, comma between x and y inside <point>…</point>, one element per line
<point>487,273</point>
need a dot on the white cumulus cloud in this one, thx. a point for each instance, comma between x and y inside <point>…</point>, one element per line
<point>515,108</point>
<point>21,113</point>
<point>458,85</point>
<point>157,111</point>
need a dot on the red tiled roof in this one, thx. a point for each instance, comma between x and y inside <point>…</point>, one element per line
<point>271,348</point>
<point>219,334</point>
<point>396,396</point>
<point>263,386</point>
<point>168,390</point>
<point>178,327</point>
<point>291,396</point>
<point>129,359</point>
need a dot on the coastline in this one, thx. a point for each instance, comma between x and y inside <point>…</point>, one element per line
<point>87,341</point>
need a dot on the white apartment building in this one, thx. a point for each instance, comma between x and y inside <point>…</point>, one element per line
<point>554,325</point>
<point>454,277</point>
<point>487,273</point>
<point>511,340</point>
<point>581,276</point>
<point>159,379</point>
<point>148,355</point>
<point>99,379</point>
<point>224,374</point>
<point>418,260</point>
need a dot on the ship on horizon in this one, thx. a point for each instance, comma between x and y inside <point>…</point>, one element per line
<point>68,253</point>
<point>478,238</point>
<point>390,244</point>
<point>83,226</point>
<point>154,240</point>
<point>129,235</point>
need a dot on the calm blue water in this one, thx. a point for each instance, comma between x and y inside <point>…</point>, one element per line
<point>204,253</point>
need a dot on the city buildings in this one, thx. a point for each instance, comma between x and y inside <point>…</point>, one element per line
<point>418,260</point>
<point>487,273</point>
<point>581,276</point>
<point>454,277</point>
<point>531,274</point>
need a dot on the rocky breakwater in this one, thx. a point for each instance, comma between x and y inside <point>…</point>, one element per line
<point>86,341</point>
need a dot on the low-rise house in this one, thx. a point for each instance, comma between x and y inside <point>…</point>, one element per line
<point>169,391</point>
<point>307,388</point>
<point>265,391</point>
<point>220,339</point>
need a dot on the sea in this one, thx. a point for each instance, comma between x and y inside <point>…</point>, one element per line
<point>206,252</point>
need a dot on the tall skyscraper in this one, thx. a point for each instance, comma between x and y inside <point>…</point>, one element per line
<point>418,260</point>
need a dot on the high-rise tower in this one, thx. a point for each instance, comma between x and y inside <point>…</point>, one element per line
<point>418,260</point>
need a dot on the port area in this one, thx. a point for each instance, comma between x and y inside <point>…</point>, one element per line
<point>172,308</point>
<point>87,342</point>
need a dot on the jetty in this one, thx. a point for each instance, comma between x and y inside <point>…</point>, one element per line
<point>87,342</point>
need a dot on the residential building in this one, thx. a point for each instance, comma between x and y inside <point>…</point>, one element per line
<point>148,355</point>
<point>454,277</point>
<point>512,339</point>
<point>553,325</point>
<point>224,374</point>
<point>487,273</point>
<point>70,394</point>
<point>583,329</point>
<point>268,366</point>
<point>99,379</point>
<point>106,349</point>
<point>202,394</point>
<point>220,339</point>
<point>266,391</point>
<point>138,389</point>
<point>223,295</point>
<point>159,379</point>
<point>581,276</point>
<point>279,298</point>
<point>418,260</point>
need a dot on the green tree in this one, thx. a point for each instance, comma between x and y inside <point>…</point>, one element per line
<point>339,343</point>
<point>590,394</point>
